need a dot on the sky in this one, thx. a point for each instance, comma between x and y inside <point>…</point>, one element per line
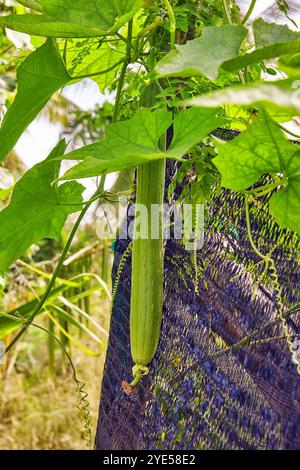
<point>41,136</point>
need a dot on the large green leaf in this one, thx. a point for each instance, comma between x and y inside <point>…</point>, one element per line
<point>39,76</point>
<point>271,41</point>
<point>218,47</point>
<point>264,149</point>
<point>69,18</point>
<point>126,144</point>
<point>204,55</point>
<point>190,127</point>
<point>268,34</point>
<point>279,95</point>
<point>38,209</point>
<point>261,149</point>
<point>135,141</point>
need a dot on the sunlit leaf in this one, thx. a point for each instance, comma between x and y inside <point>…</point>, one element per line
<point>190,127</point>
<point>280,95</point>
<point>204,55</point>
<point>67,18</point>
<point>262,148</point>
<point>135,141</point>
<point>88,56</point>
<point>126,144</point>
<point>218,47</point>
<point>271,40</point>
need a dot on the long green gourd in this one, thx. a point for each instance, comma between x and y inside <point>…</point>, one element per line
<point>147,263</point>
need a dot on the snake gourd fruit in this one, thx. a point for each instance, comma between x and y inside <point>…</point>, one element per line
<point>147,263</point>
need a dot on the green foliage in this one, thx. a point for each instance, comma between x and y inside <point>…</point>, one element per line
<point>204,55</point>
<point>126,144</point>
<point>135,141</point>
<point>219,46</point>
<point>69,19</point>
<point>271,40</point>
<point>279,97</point>
<point>39,76</point>
<point>37,209</point>
<point>190,128</point>
<point>261,149</point>
<point>89,56</point>
<point>264,149</point>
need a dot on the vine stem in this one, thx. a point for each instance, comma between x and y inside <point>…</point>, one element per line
<point>126,62</point>
<point>53,278</point>
<point>249,12</point>
<point>270,265</point>
<point>255,249</point>
<point>227,12</point>
<point>230,22</point>
<point>172,20</point>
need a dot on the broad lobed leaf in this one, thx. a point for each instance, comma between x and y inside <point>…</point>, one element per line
<point>261,149</point>
<point>135,141</point>
<point>204,55</point>
<point>264,149</point>
<point>278,95</point>
<point>218,48</point>
<point>69,18</point>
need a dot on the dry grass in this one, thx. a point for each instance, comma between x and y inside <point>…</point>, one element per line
<point>38,411</point>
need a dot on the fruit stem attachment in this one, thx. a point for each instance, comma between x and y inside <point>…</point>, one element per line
<point>138,371</point>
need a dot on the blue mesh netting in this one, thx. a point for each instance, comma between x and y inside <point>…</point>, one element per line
<point>200,393</point>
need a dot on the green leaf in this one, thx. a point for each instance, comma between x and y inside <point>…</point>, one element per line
<point>190,127</point>
<point>86,57</point>
<point>272,40</point>
<point>67,18</point>
<point>264,149</point>
<point>38,209</point>
<point>33,4</point>
<point>218,48</point>
<point>268,34</point>
<point>279,95</point>
<point>285,204</point>
<point>135,141</point>
<point>39,76</point>
<point>204,55</point>
<point>126,144</point>
<point>261,149</point>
